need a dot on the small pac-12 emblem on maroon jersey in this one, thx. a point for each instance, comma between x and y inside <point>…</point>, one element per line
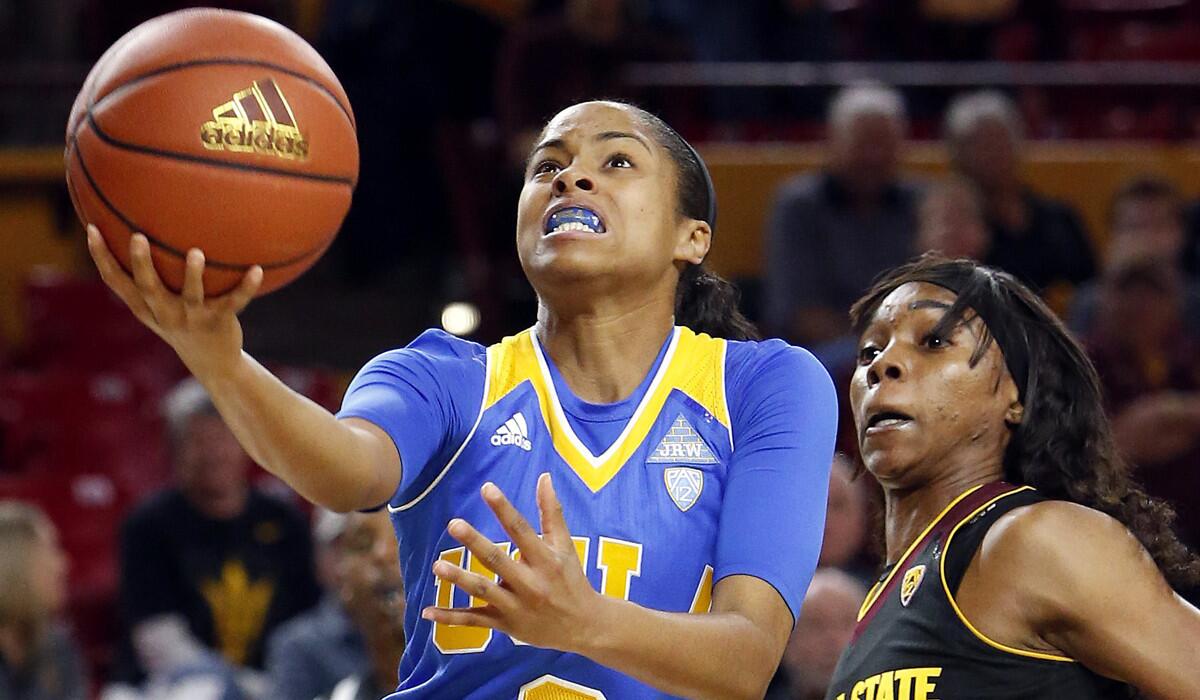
<point>912,579</point>
<point>684,485</point>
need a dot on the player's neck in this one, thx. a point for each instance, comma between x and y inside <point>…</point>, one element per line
<point>604,353</point>
<point>908,511</point>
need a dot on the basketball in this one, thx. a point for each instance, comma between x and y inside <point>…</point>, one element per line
<point>217,130</point>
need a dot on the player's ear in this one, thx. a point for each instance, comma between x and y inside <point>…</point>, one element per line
<point>1015,414</point>
<point>695,238</point>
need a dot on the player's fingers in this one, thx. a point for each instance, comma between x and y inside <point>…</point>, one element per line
<point>477,586</point>
<point>115,276</point>
<point>193,280</point>
<point>486,552</point>
<point>515,524</point>
<point>470,617</point>
<point>242,294</point>
<point>144,274</point>
<point>554,525</point>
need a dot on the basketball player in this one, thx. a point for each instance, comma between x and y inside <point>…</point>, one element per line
<point>1024,563</point>
<point>565,498</point>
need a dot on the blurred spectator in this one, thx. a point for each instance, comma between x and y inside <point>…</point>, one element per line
<point>371,589</point>
<point>950,221</point>
<point>1041,241</point>
<point>831,233</point>
<point>209,563</point>
<point>846,523</point>
<point>1146,220</point>
<point>755,30</point>
<point>38,659</point>
<point>1149,366</point>
<point>549,63</point>
<point>308,655</point>
<point>822,631</point>
<point>964,30</point>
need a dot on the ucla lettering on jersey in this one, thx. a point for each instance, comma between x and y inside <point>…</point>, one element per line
<point>628,527</point>
<point>643,485</point>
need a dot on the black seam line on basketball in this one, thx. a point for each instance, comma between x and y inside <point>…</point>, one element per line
<point>229,62</point>
<point>133,227</point>
<point>246,167</point>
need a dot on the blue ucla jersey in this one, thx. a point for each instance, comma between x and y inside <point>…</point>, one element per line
<point>716,465</point>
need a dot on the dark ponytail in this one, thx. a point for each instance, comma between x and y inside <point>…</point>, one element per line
<point>704,301</point>
<point>708,303</point>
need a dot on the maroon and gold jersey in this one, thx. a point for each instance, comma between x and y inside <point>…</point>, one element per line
<point>912,641</point>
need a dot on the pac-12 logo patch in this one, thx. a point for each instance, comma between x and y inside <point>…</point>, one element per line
<point>912,579</point>
<point>684,485</point>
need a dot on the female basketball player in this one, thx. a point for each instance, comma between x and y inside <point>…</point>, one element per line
<point>689,472</point>
<point>1024,562</point>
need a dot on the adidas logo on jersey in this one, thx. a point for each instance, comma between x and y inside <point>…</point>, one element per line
<point>514,432</point>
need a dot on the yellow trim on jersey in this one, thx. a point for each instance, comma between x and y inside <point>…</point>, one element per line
<point>954,604</point>
<point>873,594</point>
<point>694,364</point>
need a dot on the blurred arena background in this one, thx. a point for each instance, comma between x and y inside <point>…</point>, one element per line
<point>1098,103</point>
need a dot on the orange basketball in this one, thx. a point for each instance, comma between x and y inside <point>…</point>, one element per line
<point>216,130</point>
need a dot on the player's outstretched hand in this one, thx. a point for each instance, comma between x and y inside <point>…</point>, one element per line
<point>205,333</point>
<point>544,598</point>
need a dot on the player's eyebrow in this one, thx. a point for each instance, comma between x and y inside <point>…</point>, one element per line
<point>928,304</point>
<point>548,143</point>
<point>602,136</point>
<point>610,135</point>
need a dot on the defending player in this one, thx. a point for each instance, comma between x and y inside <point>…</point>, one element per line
<point>668,471</point>
<point>1025,563</point>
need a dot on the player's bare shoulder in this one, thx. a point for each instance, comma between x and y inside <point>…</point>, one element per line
<point>1052,550</point>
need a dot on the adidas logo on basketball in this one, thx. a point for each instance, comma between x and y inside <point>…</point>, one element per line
<point>257,120</point>
<point>514,432</point>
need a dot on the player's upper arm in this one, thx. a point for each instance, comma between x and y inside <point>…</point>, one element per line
<point>379,450</point>
<point>760,603</point>
<point>410,408</point>
<point>1092,591</point>
<point>784,413</point>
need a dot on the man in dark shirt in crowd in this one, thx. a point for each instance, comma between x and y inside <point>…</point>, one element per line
<point>228,562</point>
<point>1040,240</point>
<point>831,232</point>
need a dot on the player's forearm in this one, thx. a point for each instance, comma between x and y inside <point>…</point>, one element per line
<point>714,655</point>
<point>325,460</point>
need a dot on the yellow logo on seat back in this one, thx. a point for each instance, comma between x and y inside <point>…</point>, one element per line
<point>257,120</point>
